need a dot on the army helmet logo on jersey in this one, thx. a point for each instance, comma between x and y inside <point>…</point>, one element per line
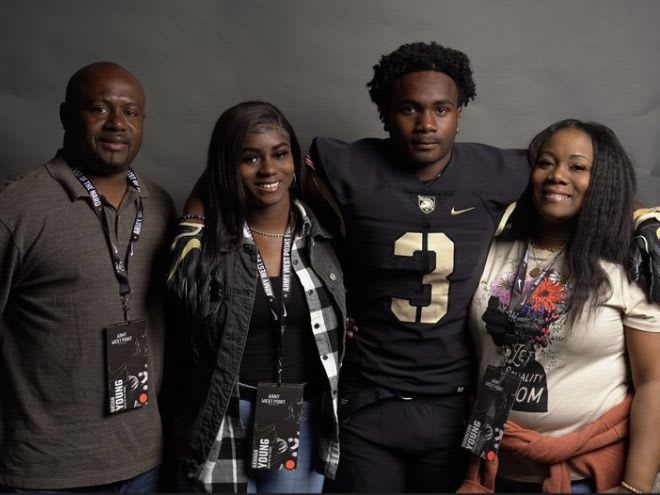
<point>426,203</point>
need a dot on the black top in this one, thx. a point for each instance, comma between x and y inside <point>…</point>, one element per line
<point>301,358</point>
<point>413,255</point>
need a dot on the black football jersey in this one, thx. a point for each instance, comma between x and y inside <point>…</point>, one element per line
<point>413,255</point>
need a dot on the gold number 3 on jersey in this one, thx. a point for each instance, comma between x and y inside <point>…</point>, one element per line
<point>443,247</point>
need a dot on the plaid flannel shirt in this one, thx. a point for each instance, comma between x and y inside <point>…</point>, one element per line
<point>224,469</point>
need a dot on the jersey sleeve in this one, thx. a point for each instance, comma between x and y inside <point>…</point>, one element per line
<point>323,188</point>
<point>331,161</point>
<point>507,176</point>
<point>499,175</point>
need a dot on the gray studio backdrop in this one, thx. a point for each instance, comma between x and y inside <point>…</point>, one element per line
<point>534,62</point>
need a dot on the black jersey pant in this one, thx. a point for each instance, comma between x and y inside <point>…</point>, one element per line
<point>403,445</point>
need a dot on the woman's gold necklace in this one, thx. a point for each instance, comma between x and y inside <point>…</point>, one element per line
<point>272,234</point>
<point>538,269</point>
<point>267,234</point>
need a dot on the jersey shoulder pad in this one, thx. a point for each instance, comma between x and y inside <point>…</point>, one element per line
<point>501,174</point>
<point>344,166</point>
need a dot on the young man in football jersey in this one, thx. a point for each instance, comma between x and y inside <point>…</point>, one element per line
<point>416,213</point>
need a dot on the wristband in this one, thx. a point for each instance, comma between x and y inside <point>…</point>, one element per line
<point>192,216</point>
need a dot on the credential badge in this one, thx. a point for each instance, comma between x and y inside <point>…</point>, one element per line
<point>426,203</point>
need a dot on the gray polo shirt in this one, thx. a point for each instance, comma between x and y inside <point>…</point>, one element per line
<point>57,293</point>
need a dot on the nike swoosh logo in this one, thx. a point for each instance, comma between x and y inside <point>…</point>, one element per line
<point>455,212</point>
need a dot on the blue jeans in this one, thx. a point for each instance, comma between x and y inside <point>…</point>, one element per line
<point>303,479</point>
<point>512,486</point>
<point>146,482</point>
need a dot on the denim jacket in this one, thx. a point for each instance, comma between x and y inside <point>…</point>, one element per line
<point>209,434</point>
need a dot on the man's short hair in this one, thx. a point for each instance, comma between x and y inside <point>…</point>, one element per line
<point>416,57</point>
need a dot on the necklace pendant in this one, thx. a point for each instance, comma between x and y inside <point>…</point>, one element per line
<point>535,272</point>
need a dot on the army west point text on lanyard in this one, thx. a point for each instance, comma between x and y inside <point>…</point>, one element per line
<point>278,315</point>
<point>278,405</point>
<point>119,265</point>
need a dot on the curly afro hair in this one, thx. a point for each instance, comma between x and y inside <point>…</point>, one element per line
<point>415,57</point>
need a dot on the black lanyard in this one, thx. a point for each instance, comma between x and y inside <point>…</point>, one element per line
<point>278,314</point>
<point>119,265</point>
<point>519,296</point>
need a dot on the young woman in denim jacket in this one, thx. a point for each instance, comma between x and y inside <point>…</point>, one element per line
<point>237,220</point>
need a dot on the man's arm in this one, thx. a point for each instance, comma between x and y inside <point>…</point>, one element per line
<point>317,194</point>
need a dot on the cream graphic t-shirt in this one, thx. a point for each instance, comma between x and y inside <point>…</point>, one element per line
<point>569,377</point>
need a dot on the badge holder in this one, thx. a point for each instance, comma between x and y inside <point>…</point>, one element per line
<point>499,387</point>
<point>127,366</point>
<point>276,432</point>
<point>495,399</point>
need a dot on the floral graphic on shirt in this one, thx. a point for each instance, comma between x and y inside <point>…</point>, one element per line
<point>541,308</point>
<point>501,287</point>
<point>544,302</point>
<point>547,296</point>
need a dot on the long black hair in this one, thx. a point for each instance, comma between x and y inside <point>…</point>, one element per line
<point>604,224</point>
<point>225,206</point>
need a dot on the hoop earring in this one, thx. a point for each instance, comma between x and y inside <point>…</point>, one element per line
<point>293,182</point>
<point>458,129</point>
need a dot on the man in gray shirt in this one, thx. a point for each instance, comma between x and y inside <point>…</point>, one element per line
<point>81,333</point>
